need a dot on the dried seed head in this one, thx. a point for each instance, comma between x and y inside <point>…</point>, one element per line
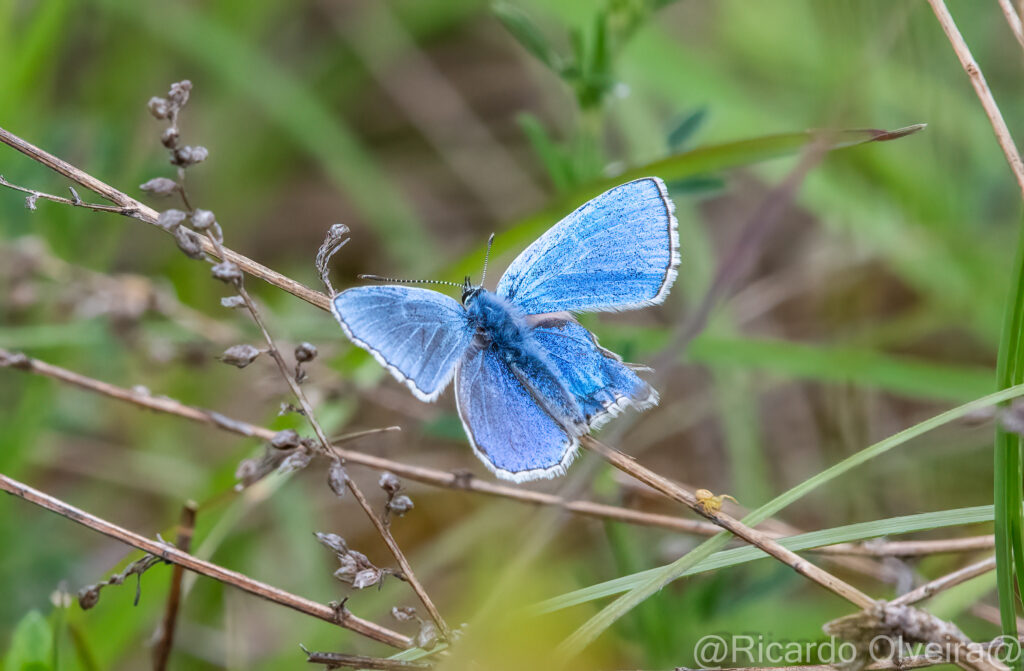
<point>160,186</point>
<point>188,242</point>
<point>30,200</point>
<point>89,596</point>
<point>295,461</point>
<point>348,569</point>
<point>226,271</point>
<point>333,541</point>
<point>240,356</point>
<point>367,578</point>
<point>389,482</point>
<point>202,219</point>
<point>169,138</point>
<point>232,302</point>
<point>247,468</point>
<point>284,440</point>
<point>159,107</point>
<point>403,613</point>
<point>305,352</point>
<point>336,238</point>
<point>186,156</point>
<point>170,219</point>
<point>427,636</point>
<point>400,505</point>
<point>288,408</point>
<point>337,478</point>
<point>179,92</point>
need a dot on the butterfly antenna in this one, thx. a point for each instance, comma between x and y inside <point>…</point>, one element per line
<point>487,256</point>
<point>378,278</point>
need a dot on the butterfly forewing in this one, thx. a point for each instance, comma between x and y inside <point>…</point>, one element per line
<point>417,334</point>
<point>618,251</point>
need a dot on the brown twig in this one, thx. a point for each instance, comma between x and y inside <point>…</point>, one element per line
<point>383,530</point>
<point>130,207</point>
<point>165,640</point>
<point>1013,20</point>
<point>465,481</point>
<point>34,195</point>
<point>757,538</point>
<point>945,582</point>
<point>909,548</point>
<point>988,103</point>
<point>173,555</point>
<point>338,660</point>
<point>429,476</point>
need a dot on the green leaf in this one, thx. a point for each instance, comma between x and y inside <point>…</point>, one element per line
<point>31,645</point>
<point>699,161</point>
<point>679,136</point>
<point>844,534</point>
<point>550,154</point>
<point>528,34</point>
<point>593,628</point>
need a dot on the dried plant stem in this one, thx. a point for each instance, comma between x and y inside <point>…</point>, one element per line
<point>430,476</point>
<point>162,649</point>
<point>757,538</point>
<point>465,481</point>
<point>1013,20</point>
<point>173,555</point>
<point>325,443</point>
<point>910,548</point>
<point>945,582</point>
<point>130,207</point>
<point>995,117</point>
<point>74,202</point>
<point>340,660</point>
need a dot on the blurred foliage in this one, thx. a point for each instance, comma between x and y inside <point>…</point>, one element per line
<point>877,302</point>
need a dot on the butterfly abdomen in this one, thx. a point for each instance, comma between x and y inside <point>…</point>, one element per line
<point>503,328</point>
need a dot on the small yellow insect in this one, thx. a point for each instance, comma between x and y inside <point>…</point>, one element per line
<point>709,502</point>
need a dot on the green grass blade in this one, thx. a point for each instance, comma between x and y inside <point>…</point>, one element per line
<point>915,377</point>
<point>1007,479</point>
<point>912,376</point>
<point>845,534</point>
<point>593,628</point>
<point>699,161</point>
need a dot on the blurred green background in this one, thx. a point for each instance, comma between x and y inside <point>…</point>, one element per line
<point>424,126</point>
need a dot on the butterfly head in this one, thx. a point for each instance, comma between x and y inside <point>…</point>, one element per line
<point>470,291</point>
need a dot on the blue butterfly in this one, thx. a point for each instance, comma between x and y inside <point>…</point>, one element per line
<point>529,380</point>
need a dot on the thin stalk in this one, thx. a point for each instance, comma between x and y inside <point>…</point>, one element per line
<point>1008,477</point>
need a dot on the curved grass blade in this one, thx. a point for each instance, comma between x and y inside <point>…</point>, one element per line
<point>1007,457</point>
<point>849,533</point>
<point>593,628</point>
<point>699,161</point>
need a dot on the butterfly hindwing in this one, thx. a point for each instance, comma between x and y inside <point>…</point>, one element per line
<point>601,383</point>
<point>618,251</point>
<point>417,334</point>
<point>509,431</point>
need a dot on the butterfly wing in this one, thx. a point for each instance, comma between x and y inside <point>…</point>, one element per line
<point>509,431</point>
<point>601,383</point>
<point>417,334</point>
<point>618,251</point>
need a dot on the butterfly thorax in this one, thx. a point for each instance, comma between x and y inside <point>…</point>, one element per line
<point>498,323</point>
<point>503,328</point>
